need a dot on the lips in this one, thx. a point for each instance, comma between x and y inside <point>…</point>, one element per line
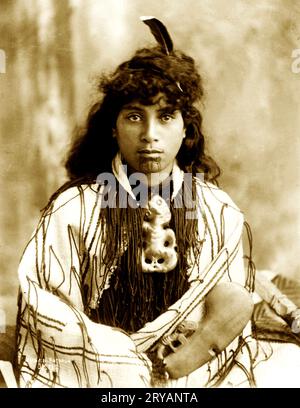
<point>150,151</point>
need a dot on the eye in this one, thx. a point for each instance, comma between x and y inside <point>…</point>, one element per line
<point>166,117</point>
<point>134,117</point>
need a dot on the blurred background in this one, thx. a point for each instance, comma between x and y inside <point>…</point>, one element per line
<point>55,49</point>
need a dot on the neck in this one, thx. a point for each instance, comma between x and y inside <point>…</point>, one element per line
<point>154,179</point>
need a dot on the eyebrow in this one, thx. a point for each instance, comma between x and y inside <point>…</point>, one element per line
<point>168,108</point>
<point>132,107</point>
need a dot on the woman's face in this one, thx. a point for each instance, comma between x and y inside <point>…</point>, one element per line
<point>150,136</point>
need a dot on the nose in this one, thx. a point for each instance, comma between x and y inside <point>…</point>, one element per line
<point>150,131</point>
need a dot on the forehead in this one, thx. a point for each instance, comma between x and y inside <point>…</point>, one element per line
<point>158,102</point>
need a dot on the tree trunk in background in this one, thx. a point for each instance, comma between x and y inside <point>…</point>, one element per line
<point>37,104</point>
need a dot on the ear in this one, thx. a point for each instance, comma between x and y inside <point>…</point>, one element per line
<point>114,133</point>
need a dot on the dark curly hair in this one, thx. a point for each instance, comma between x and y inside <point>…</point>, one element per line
<point>147,73</point>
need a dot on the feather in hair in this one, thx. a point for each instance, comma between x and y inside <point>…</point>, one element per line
<point>159,32</point>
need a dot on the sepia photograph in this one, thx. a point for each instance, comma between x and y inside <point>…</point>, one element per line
<point>150,196</point>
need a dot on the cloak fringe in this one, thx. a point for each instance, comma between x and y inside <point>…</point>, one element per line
<point>134,297</point>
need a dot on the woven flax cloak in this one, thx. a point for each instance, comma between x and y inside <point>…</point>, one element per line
<point>60,346</point>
